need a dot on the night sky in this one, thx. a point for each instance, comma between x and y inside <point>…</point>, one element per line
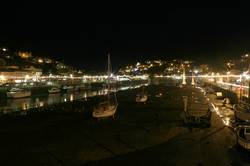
<point>205,35</point>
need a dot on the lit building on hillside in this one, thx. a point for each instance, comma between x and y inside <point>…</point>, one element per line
<point>24,54</point>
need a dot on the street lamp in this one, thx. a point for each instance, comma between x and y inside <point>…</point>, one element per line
<point>2,78</point>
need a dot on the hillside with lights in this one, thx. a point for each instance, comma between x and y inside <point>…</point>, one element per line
<point>175,67</point>
<point>23,63</point>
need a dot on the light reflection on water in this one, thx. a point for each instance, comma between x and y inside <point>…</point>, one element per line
<point>226,121</point>
<point>12,105</point>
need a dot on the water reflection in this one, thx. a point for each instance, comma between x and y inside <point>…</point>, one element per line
<point>18,104</point>
<point>13,105</point>
<point>226,121</point>
<point>71,97</point>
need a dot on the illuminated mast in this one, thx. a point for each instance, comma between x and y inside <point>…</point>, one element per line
<point>183,76</point>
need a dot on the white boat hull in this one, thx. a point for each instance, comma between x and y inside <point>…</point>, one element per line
<point>141,99</point>
<point>104,112</point>
<point>242,113</point>
<point>18,94</point>
<point>51,91</point>
<point>69,89</point>
<point>243,142</point>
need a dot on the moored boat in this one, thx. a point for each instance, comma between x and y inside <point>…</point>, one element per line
<point>142,97</point>
<point>108,107</point>
<point>196,110</point>
<point>68,88</point>
<point>54,90</point>
<point>243,136</point>
<point>242,112</point>
<point>242,129</point>
<point>18,93</point>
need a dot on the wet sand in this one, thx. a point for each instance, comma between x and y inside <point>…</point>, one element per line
<point>148,134</point>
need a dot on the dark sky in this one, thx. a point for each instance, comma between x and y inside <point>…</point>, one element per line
<point>203,34</point>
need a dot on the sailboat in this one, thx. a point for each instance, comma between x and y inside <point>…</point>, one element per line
<point>141,98</point>
<point>107,108</point>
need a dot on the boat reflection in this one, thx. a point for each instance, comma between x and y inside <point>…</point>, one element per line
<point>24,104</point>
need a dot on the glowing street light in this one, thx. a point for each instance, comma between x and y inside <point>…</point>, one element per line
<point>2,78</point>
<point>27,77</point>
<point>247,77</point>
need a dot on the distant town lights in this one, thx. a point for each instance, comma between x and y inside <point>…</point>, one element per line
<point>40,60</point>
<point>2,78</point>
<point>27,76</point>
<point>247,77</point>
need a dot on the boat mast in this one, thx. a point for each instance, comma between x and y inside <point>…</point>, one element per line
<point>109,75</point>
<point>108,81</point>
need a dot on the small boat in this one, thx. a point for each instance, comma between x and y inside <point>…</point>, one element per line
<point>242,112</point>
<point>107,108</point>
<point>196,111</point>
<point>242,129</point>
<point>158,95</point>
<point>54,90</point>
<point>141,98</point>
<point>104,109</point>
<point>243,136</point>
<point>68,88</point>
<point>18,93</point>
